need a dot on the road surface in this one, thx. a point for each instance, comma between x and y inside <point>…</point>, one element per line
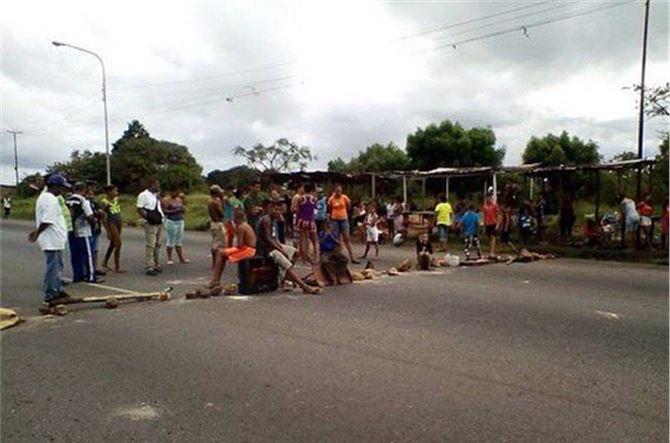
<point>562,350</point>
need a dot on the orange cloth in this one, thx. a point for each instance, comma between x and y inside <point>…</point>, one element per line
<point>338,207</point>
<point>239,253</point>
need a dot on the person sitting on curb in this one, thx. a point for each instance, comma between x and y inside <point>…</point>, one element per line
<point>246,248</point>
<point>282,255</point>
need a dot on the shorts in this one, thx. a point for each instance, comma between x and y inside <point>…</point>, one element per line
<point>341,226</point>
<point>504,237</point>
<point>491,230</point>
<point>372,234</point>
<point>283,262</point>
<point>306,226</point>
<point>645,221</point>
<point>240,253</point>
<point>218,235</point>
<point>175,232</point>
<point>442,232</point>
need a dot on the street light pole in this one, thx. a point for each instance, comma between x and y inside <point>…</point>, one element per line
<point>640,130</point>
<point>16,157</point>
<point>104,103</point>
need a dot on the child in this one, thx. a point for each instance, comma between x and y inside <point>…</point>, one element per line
<point>470,223</point>
<point>525,224</point>
<point>424,252</point>
<point>371,231</point>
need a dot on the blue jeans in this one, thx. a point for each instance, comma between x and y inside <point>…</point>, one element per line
<point>443,232</point>
<point>53,278</point>
<point>341,226</point>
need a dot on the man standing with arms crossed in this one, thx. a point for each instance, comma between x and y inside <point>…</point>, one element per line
<point>149,208</point>
<point>51,235</point>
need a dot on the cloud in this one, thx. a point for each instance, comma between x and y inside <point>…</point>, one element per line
<point>333,76</point>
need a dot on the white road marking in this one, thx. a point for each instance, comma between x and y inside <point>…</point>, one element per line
<point>111,288</point>
<point>137,413</point>
<point>610,315</point>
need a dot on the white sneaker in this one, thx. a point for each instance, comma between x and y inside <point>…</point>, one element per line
<point>170,262</point>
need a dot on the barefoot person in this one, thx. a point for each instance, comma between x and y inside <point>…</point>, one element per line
<point>113,224</point>
<point>333,262</point>
<point>306,224</point>
<point>174,207</point>
<point>246,248</point>
<point>424,252</point>
<point>216,224</point>
<point>490,211</point>
<point>338,209</point>
<point>370,223</point>
<point>283,255</point>
<point>51,235</point>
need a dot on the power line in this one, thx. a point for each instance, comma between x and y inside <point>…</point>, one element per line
<point>524,28</point>
<point>473,20</point>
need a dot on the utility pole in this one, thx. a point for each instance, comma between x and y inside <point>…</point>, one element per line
<point>640,130</point>
<point>16,157</point>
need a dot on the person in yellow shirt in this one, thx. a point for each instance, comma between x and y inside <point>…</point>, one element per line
<point>443,218</point>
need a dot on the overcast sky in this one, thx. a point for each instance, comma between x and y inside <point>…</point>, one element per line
<point>334,76</point>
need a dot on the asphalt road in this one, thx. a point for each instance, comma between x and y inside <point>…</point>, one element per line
<point>562,350</point>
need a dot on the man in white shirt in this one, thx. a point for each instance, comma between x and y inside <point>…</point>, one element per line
<point>7,206</point>
<point>51,235</point>
<point>149,207</point>
<point>81,237</point>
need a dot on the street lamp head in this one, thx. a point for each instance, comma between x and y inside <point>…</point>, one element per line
<point>57,43</point>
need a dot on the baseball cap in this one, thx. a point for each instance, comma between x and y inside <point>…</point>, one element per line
<point>215,189</point>
<point>58,180</point>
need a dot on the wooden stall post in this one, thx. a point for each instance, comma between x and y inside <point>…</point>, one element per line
<point>404,188</point>
<point>597,196</point>
<point>446,187</point>
<point>374,186</point>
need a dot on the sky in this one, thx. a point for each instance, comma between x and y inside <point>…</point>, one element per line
<point>334,76</point>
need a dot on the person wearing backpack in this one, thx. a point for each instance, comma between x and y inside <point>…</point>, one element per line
<point>80,238</point>
<point>149,208</point>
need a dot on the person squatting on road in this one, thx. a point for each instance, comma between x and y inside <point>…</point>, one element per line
<point>333,263</point>
<point>51,235</point>
<point>424,252</point>
<point>149,208</point>
<point>113,223</point>
<point>283,255</point>
<point>80,238</point>
<point>174,207</point>
<point>246,248</point>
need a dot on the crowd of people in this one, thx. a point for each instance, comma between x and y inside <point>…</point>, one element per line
<point>310,226</point>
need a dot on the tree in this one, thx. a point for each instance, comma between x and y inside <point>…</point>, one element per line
<point>375,158</point>
<point>282,156</point>
<point>552,150</point>
<point>82,166</point>
<point>657,100</point>
<point>136,156</point>
<point>449,144</point>
<point>239,176</point>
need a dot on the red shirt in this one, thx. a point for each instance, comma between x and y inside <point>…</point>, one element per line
<point>490,211</point>
<point>644,209</point>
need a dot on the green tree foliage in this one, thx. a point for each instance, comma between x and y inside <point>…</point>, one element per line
<point>552,150</point>
<point>282,156</point>
<point>136,156</point>
<point>239,176</point>
<point>82,166</point>
<point>375,158</point>
<point>449,144</point>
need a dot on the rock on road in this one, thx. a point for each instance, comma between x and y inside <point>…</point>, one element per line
<point>563,350</point>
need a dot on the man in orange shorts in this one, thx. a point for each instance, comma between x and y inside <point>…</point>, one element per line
<point>246,248</point>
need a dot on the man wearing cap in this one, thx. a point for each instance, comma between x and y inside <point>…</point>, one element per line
<point>149,208</point>
<point>51,235</point>
<point>80,238</point>
<point>216,227</point>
